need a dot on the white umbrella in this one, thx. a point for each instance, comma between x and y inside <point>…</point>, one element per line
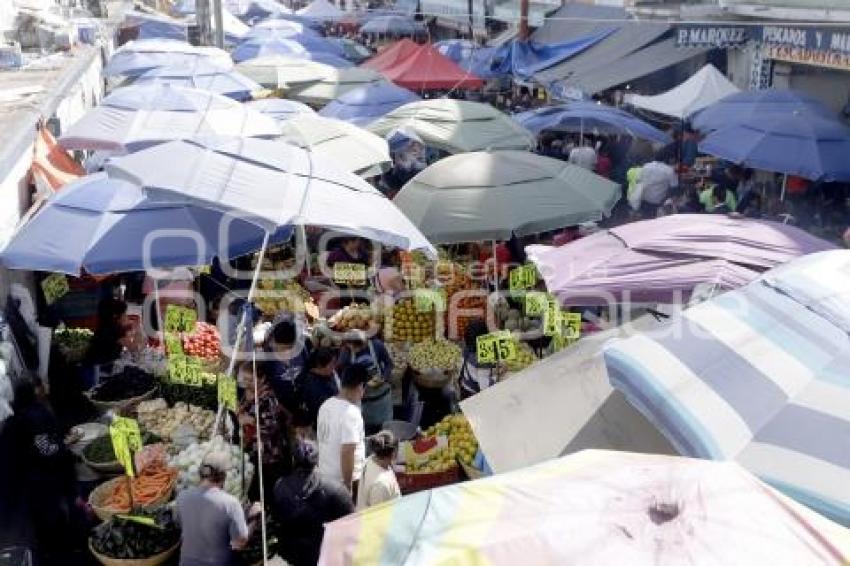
<point>138,116</point>
<point>280,109</point>
<point>347,146</point>
<point>136,57</point>
<point>492,195</point>
<point>332,86</point>
<point>456,126</point>
<point>280,71</point>
<point>270,183</point>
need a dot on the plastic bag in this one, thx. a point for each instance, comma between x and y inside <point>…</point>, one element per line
<point>635,196</point>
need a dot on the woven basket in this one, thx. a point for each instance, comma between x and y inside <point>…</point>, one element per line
<point>100,493</point>
<point>411,483</point>
<point>107,468</point>
<point>433,378</point>
<point>154,560</point>
<point>123,406</point>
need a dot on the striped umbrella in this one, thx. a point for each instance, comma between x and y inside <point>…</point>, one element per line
<point>595,507</point>
<point>758,375</point>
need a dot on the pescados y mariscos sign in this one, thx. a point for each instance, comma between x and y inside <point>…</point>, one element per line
<point>836,40</point>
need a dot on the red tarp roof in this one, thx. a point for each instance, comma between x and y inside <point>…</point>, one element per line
<point>421,67</point>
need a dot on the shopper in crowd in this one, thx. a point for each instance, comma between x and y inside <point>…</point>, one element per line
<point>584,156</point>
<point>304,501</point>
<point>475,376</point>
<point>378,482</point>
<point>212,521</point>
<point>318,384</point>
<point>718,199</point>
<point>274,420</point>
<point>656,179</point>
<point>288,350</point>
<point>340,431</point>
<point>110,335</point>
<point>370,353</point>
<point>604,165</point>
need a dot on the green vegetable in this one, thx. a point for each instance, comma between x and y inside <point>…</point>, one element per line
<point>128,539</point>
<point>99,450</point>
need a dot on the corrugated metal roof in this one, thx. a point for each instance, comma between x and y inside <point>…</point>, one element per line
<point>638,64</point>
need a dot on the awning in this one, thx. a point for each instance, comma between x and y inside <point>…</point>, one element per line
<point>633,66</point>
<point>51,166</point>
<point>579,20</point>
<point>627,38</point>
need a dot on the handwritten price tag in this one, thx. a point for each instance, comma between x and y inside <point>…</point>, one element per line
<point>426,300</point>
<point>552,319</point>
<point>185,370</point>
<point>173,345</point>
<point>523,277</point>
<point>55,286</point>
<point>227,392</point>
<point>536,303</point>
<point>495,347</point>
<point>126,439</point>
<point>571,322</point>
<point>351,273</point>
<point>180,319</point>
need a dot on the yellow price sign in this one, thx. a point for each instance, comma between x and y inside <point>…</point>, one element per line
<point>185,370</point>
<point>350,273</point>
<point>426,300</point>
<point>523,277</point>
<point>227,392</point>
<point>496,347</point>
<point>126,440</point>
<point>55,286</point>
<point>180,319</point>
<point>552,319</point>
<point>173,345</point>
<point>536,303</point>
<point>571,323</point>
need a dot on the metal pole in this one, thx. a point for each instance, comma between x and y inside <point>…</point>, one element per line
<point>218,13</point>
<point>523,20</point>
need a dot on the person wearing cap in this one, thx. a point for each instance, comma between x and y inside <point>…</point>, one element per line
<point>372,354</point>
<point>303,502</point>
<point>340,431</point>
<point>212,521</point>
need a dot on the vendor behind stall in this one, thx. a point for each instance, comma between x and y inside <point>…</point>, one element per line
<point>114,334</point>
<point>351,250</point>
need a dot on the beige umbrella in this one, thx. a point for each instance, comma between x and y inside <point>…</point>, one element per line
<point>280,71</point>
<point>456,126</point>
<point>340,81</point>
<point>345,145</point>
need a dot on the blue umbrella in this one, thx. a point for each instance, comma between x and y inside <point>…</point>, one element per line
<point>392,25</point>
<point>580,117</point>
<point>799,143</point>
<point>354,52</point>
<point>110,226</point>
<point>280,109</point>
<point>752,104</point>
<point>366,104</point>
<point>318,50</point>
<point>204,76</point>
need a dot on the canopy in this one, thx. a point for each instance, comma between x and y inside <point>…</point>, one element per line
<point>345,145</point>
<point>664,260</point>
<point>352,51</point>
<point>281,28</point>
<point>332,86</point>
<point>52,167</point>
<point>271,183</point>
<point>280,109</point>
<point>456,126</point>
<point>321,10</point>
<point>156,26</point>
<point>280,71</point>
<point>494,195</point>
<point>803,144</point>
<point>138,116</point>
<point>202,76</point>
<point>589,117</point>
<point>470,56</point>
<point>366,104</point>
<point>597,508</point>
<point>523,59</point>
<point>421,67</point>
<point>111,226</point>
<point>756,104</point>
<point>759,376</point>
<point>393,25</point>
<point>137,57</point>
<point>267,47</point>
<point>702,89</point>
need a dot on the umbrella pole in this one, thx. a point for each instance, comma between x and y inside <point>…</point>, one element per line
<point>157,308</point>
<point>784,187</point>
<point>495,267</point>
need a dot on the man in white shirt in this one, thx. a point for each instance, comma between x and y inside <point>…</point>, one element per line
<point>657,179</point>
<point>340,431</point>
<point>583,156</point>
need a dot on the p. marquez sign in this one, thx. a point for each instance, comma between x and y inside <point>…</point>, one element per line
<point>712,36</point>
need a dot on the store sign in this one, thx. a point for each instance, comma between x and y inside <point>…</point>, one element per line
<point>803,56</point>
<point>807,45</point>
<point>695,35</point>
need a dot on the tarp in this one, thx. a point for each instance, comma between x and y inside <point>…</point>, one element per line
<point>493,195</point>
<point>758,376</point>
<point>663,260</point>
<point>560,405</point>
<point>456,126</point>
<point>702,89</point>
<point>421,67</point>
<point>592,508</point>
<point>51,166</point>
<point>523,59</point>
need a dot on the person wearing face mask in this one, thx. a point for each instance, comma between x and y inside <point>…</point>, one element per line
<point>318,384</point>
<point>370,353</point>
